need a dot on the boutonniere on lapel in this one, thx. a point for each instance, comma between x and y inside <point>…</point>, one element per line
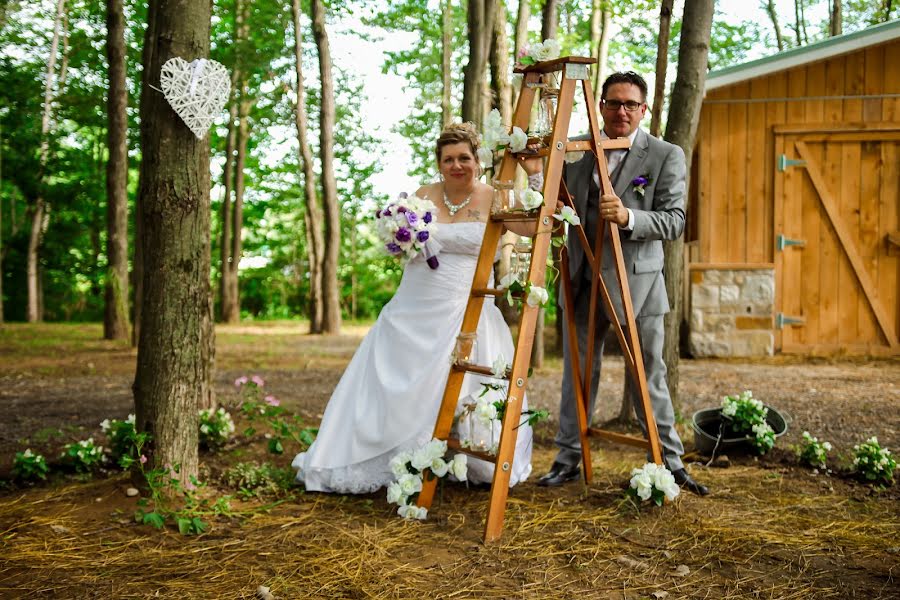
<point>639,182</point>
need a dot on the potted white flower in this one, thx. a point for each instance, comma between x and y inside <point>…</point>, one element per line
<point>742,422</point>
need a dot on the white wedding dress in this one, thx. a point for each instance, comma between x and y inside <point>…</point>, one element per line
<point>388,398</point>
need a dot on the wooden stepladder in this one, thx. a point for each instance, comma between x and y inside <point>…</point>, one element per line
<point>573,69</point>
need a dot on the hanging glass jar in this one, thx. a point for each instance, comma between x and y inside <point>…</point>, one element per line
<point>505,197</point>
<point>465,348</point>
<point>546,112</point>
<point>520,262</point>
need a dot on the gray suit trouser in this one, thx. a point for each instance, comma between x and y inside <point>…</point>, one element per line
<point>651,334</point>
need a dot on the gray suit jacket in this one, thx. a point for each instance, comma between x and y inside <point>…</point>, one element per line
<point>658,215</point>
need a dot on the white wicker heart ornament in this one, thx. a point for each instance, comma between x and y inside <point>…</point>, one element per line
<point>196,90</point>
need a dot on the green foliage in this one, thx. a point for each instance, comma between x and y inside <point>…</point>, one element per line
<point>84,456</point>
<point>122,439</point>
<point>874,464</point>
<point>746,416</point>
<point>216,427</point>
<point>813,452</point>
<point>29,466</point>
<point>266,410</point>
<point>254,480</point>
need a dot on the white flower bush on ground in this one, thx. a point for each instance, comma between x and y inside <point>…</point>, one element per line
<point>653,482</point>
<point>813,452</point>
<point>216,427</point>
<point>411,468</point>
<point>873,463</point>
<point>747,416</point>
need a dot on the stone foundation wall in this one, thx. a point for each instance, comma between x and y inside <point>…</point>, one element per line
<point>732,312</point>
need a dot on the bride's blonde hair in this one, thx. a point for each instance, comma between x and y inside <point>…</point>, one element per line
<point>456,133</point>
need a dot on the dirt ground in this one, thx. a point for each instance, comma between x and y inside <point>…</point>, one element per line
<point>770,528</point>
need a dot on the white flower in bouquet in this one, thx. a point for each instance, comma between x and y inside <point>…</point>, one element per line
<point>532,199</point>
<point>459,466</point>
<point>486,157</point>
<point>537,296</point>
<point>410,484</point>
<point>398,463</point>
<point>405,226</point>
<point>518,139</point>
<point>499,368</point>
<point>439,467</point>
<point>485,410</point>
<point>395,494</point>
<point>568,215</point>
<point>507,280</point>
<point>411,511</point>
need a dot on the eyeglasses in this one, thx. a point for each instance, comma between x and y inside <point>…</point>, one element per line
<point>614,105</point>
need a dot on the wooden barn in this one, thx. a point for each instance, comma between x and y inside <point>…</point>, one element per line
<point>793,233</point>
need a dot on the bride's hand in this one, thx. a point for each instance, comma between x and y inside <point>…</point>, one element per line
<point>532,164</point>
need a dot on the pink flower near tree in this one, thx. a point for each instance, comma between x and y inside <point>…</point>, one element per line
<point>272,401</point>
<point>240,381</point>
<point>258,380</point>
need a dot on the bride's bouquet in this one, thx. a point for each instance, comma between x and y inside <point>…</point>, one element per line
<point>406,226</point>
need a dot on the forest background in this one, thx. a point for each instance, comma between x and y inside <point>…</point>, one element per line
<point>55,133</point>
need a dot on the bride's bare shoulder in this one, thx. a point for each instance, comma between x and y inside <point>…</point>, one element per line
<point>429,191</point>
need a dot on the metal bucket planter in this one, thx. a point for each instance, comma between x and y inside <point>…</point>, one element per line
<point>707,426</point>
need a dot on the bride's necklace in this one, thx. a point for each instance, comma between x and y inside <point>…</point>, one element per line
<point>454,208</point>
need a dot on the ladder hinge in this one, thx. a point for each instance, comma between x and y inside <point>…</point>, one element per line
<point>782,319</point>
<point>784,162</point>
<point>782,242</point>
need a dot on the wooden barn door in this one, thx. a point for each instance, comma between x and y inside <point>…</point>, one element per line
<point>837,259</point>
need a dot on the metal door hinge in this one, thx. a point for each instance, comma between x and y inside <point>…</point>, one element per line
<point>784,162</point>
<point>782,242</point>
<point>781,320</point>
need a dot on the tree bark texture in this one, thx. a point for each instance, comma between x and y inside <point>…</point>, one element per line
<point>480,18</point>
<point>550,20</point>
<point>1,210</point>
<point>331,305</point>
<point>522,26</point>
<point>499,58</point>
<point>836,21</point>
<point>115,321</point>
<point>171,373</point>
<point>33,312</point>
<point>662,64</point>
<point>602,51</point>
<point>770,10</point>
<point>226,261</point>
<point>446,53</point>
<point>313,212</point>
<point>681,129</point>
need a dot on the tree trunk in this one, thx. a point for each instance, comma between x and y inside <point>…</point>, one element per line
<point>522,26</point>
<point>137,271</point>
<point>480,19</point>
<point>770,10</point>
<point>446,52</point>
<point>38,210</point>
<point>499,58</point>
<point>231,310</point>
<point>1,205</point>
<point>331,305</point>
<point>662,63</point>
<point>681,129</point>
<point>837,18</point>
<point>550,20</point>
<point>797,28</point>
<point>171,376</point>
<point>313,213</point>
<point>226,261</point>
<point>115,321</point>
<point>602,49</point>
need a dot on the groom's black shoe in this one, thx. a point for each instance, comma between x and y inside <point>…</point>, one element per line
<point>560,474</point>
<point>683,479</point>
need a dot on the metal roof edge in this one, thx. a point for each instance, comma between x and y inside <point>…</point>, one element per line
<point>826,48</point>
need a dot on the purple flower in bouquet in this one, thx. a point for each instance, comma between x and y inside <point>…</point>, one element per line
<point>639,182</point>
<point>401,209</point>
<point>427,217</point>
<point>412,218</point>
<point>393,248</point>
<point>403,235</point>
<point>422,236</point>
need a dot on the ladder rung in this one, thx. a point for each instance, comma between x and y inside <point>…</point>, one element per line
<point>515,215</point>
<point>453,444</point>
<point>482,292</point>
<point>470,368</point>
<point>548,66</point>
<point>620,438</point>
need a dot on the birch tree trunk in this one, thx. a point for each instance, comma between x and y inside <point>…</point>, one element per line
<point>446,53</point>
<point>33,309</point>
<point>331,305</point>
<point>1,210</point>
<point>171,375</point>
<point>115,321</point>
<point>480,19</point>
<point>681,129</point>
<point>499,60</point>
<point>770,10</point>
<point>662,64</point>
<point>226,261</point>
<point>313,213</point>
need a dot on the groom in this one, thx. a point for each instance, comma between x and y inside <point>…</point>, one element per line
<point>648,207</point>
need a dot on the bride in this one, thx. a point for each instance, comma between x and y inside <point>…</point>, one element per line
<point>388,398</point>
